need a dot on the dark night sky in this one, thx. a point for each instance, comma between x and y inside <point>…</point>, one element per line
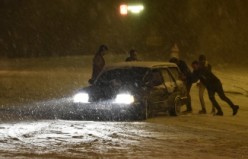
<point>74,27</point>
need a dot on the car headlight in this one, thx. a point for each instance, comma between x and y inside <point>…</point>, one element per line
<point>124,99</point>
<point>81,98</point>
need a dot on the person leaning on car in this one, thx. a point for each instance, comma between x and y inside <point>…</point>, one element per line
<point>213,85</point>
<point>98,62</point>
<point>186,76</point>
<point>203,63</point>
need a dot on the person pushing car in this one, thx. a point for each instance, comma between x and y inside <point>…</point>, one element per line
<point>213,85</point>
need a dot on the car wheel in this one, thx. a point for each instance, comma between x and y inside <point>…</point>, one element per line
<point>175,105</point>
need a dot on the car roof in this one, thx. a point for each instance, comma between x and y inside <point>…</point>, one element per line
<point>142,64</point>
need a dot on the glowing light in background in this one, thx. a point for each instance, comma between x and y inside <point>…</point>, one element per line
<point>135,9</point>
<point>123,9</point>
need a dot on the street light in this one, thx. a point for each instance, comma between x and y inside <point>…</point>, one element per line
<point>134,9</point>
<point>123,9</point>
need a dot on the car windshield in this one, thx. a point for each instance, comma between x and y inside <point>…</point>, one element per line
<point>122,76</point>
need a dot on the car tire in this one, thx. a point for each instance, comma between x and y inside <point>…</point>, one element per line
<point>174,105</point>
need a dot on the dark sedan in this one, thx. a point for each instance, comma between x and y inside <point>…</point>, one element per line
<point>136,90</point>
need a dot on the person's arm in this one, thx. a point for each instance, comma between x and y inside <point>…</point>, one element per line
<point>194,77</point>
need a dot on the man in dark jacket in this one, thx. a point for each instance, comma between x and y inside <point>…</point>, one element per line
<point>98,63</point>
<point>213,85</point>
<point>186,76</point>
<point>203,63</point>
<point>132,56</point>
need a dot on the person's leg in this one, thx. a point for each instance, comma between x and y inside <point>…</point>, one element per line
<point>201,97</point>
<point>211,94</point>
<point>189,107</point>
<point>222,96</point>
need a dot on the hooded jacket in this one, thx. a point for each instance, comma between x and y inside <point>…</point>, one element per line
<point>206,77</point>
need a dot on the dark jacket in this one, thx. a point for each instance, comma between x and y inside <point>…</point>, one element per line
<point>98,64</point>
<point>185,71</point>
<point>184,68</point>
<point>206,77</point>
<point>206,65</point>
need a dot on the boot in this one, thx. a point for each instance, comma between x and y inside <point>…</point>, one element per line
<point>235,109</point>
<point>219,113</point>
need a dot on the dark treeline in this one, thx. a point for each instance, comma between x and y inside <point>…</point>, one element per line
<point>33,28</point>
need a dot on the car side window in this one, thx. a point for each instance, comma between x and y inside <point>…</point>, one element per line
<point>175,72</point>
<point>167,77</point>
<point>154,78</point>
<point>157,78</point>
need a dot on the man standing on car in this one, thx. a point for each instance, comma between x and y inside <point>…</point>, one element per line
<point>213,85</point>
<point>132,56</point>
<point>98,63</point>
<point>186,76</point>
<point>203,63</point>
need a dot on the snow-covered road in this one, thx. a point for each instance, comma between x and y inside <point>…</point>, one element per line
<point>38,130</point>
<point>187,136</point>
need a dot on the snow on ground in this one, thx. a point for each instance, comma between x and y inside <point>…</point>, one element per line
<point>235,80</point>
<point>34,101</point>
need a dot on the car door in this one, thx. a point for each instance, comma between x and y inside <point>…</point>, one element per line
<point>157,90</point>
<point>176,74</point>
<point>169,82</point>
<point>174,71</point>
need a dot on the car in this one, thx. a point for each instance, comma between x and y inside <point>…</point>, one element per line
<point>136,90</point>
